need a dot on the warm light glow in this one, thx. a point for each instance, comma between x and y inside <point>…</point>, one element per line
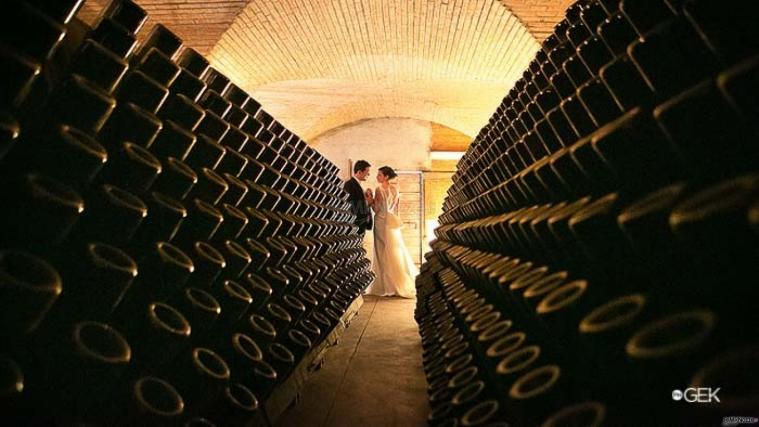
<point>350,61</point>
<point>431,225</point>
<point>446,155</point>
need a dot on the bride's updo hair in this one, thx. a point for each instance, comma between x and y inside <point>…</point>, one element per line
<point>388,172</point>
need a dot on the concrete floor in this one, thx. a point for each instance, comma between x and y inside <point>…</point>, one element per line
<point>373,377</point>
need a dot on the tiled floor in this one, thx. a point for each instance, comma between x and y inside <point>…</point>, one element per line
<point>373,377</point>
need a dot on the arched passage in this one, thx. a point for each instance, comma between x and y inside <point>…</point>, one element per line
<point>332,63</point>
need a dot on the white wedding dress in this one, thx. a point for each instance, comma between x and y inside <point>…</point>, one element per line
<point>392,264</point>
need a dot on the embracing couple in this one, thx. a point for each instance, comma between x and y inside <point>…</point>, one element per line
<point>392,264</point>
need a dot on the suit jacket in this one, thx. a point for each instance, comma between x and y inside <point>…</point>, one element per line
<point>358,204</point>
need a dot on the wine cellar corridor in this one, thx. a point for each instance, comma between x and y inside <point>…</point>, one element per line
<point>286,213</point>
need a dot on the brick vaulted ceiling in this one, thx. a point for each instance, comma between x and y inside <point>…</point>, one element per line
<point>200,23</point>
<point>320,64</point>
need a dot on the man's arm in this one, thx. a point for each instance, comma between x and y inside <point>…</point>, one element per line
<point>356,200</point>
<point>347,187</point>
<point>353,192</point>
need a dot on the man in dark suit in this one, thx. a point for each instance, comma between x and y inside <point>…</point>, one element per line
<point>359,200</point>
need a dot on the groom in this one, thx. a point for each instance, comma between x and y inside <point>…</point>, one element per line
<point>359,200</point>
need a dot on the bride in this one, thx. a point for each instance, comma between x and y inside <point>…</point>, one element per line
<point>393,265</point>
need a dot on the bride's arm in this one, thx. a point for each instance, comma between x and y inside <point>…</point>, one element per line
<point>377,200</point>
<point>395,196</point>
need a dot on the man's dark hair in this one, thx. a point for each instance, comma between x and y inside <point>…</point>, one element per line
<point>360,165</point>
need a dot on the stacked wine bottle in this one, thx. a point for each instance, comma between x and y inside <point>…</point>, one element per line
<point>170,254</point>
<point>597,258</point>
